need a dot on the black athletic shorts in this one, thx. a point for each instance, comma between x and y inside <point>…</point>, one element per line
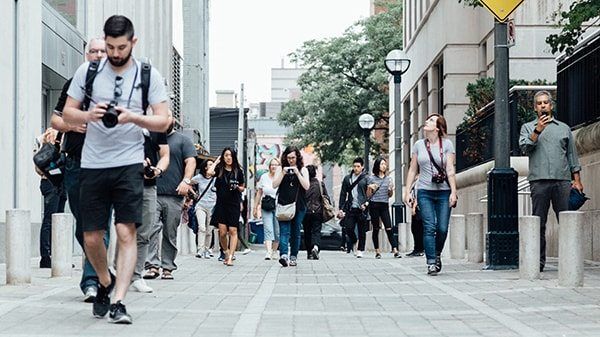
<point>119,187</point>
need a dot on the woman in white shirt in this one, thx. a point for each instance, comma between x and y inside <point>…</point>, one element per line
<point>264,206</point>
<point>204,207</point>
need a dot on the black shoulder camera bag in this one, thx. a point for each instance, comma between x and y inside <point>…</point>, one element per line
<point>50,161</point>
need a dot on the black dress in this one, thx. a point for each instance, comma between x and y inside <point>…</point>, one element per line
<point>228,204</point>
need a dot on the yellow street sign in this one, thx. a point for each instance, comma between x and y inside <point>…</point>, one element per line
<point>501,9</point>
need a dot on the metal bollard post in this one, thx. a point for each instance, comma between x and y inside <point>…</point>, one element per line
<point>475,237</point>
<point>18,246</point>
<point>402,239</point>
<point>62,244</point>
<point>529,247</point>
<point>570,249</point>
<point>457,236</point>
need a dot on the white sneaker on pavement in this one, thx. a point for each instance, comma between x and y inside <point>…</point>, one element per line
<point>90,294</point>
<point>141,286</point>
<point>268,255</point>
<point>359,254</point>
<point>246,251</point>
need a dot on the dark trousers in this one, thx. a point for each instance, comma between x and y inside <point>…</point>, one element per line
<point>352,220</point>
<point>542,193</point>
<point>312,225</point>
<point>380,211</point>
<point>72,169</point>
<point>416,227</point>
<point>54,202</point>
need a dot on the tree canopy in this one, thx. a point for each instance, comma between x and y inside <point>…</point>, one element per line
<point>345,77</point>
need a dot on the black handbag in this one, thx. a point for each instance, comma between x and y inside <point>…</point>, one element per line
<point>267,203</point>
<point>50,161</point>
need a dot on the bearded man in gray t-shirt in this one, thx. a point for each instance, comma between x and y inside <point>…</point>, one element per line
<point>112,157</point>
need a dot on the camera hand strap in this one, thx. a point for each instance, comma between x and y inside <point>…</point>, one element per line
<point>432,161</point>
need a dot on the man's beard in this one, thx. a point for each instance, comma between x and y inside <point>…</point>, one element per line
<point>119,63</point>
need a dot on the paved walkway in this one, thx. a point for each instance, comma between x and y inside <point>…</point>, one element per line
<point>338,295</point>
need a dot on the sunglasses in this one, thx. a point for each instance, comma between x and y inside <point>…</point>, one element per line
<point>118,83</point>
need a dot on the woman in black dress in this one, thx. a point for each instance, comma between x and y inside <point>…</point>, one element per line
<point>229,183</point>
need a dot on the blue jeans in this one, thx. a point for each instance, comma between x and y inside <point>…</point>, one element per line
<point>71,182</point>
<point>289,234</point>
<point>435,211</point>
<point>270,225</point>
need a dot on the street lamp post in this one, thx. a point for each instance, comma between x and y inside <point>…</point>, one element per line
<point>396,65</point>
<point>366,123</point>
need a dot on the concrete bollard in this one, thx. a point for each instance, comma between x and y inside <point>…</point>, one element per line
<point>570,249</point>
<point>474,223</point>
<point>457,236</point>
<point>62,244</point>
<point>529,247</point>
<point>18,246</point>
<point>402,237</point>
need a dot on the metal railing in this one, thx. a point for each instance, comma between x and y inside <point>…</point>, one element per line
<point>578,78</point>
<point>475,143</point>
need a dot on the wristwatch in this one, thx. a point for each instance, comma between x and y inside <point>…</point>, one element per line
<point>187,181</point>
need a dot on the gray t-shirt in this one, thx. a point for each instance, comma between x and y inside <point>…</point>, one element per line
<point>180,148</point>
<point>209,198</point>
<point>123,144</point>
<point>426,168</point>
<point>384,185</point>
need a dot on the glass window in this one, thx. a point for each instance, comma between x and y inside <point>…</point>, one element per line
<point>66,8</point>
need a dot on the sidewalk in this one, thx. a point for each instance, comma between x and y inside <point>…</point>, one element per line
<point>338,295</point>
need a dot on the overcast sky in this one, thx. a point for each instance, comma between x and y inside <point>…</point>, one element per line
<point>249,37</point>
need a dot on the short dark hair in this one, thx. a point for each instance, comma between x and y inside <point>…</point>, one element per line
<point>117,26</point>
<point>358,160</point>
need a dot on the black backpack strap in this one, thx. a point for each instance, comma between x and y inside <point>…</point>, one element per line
<point>90,76</point>
<point>145,83</point>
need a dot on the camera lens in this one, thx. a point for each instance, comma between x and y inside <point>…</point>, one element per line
<point>110,118</point>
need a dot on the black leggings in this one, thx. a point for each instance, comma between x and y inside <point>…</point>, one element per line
<point>380,211</point>
<point>312,225</point>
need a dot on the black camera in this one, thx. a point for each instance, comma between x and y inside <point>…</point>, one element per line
<point>111,117</point>
<point>233,184</point>
<point>149,172</point>
<point>438,178</point>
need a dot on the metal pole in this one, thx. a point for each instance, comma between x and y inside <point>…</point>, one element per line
<point>501,115</point>
<point>367,146</point>
<point>240,136</point>
<point>398,211</point>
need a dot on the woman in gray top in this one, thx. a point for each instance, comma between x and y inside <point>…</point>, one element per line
<point>380,189</point>
<point>433,157</point>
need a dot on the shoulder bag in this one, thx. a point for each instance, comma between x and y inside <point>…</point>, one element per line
<point>328,211</point>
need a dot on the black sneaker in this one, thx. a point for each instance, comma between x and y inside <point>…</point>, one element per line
<point>315,253</point>
<point>438,263</point>
<point>397,255</point>
<point>102,302</point>
<point>432,270</point>
<point>283,260</point>
<point>415,253</point>
<point>118,314</point>
<point>377,256</point>
<point>222,256</point>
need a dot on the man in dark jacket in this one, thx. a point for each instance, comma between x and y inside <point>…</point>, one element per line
<point>352,206</point>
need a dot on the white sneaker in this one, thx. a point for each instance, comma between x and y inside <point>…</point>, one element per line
<point>246,251</point>
<point>207,254</point>
<point>359,254</point>
<point>141,286</point>
<point>268,255</point>
<point>90,294</point>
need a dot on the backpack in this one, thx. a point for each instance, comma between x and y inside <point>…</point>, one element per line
<point>90,76</point>
<point>314,202</point>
